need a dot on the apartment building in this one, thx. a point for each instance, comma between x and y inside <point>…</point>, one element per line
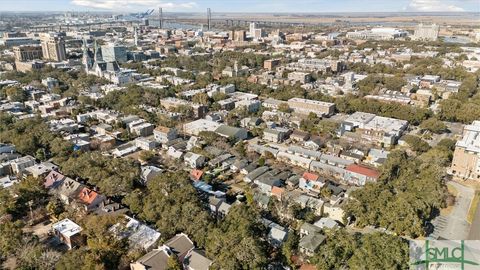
<point>307,106</point>
<point>466,158</point>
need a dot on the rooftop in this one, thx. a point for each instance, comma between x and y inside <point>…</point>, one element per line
<point>67,227</point>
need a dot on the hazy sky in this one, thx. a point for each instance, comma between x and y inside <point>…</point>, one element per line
<point>244,5</point>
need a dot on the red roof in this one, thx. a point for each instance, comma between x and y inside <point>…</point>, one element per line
<point>277,191</point>
<point>196,174</point>
<point>310,176</point>
<point>363,170</point>
<point>87,195</point>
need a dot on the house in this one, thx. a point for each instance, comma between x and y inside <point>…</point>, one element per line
<point>377,157</point>
<point>275,135</point>
<point>261,199</point>
<point>196,260</point>
<point>277,192</point>
<point>223,209</point>
<point>299,136</point>
<point>146,143</point>
<point>125,149</point>
<point>139,235</point>
<point>249,168</point>
<point>250,177</point>
<point>7,148</point>
<point>156,259</point>
<point>334,210</point>
<point>250,122</point>
<point>20,164</point>
<point>176,150</point>
<point>89,199</point>
<point>68,232</point>
<point>68,190</point>
<point>194,160</point>
<point>149,172</point>
<point>109,207</point>
<point>326,223</point>
<point>214,204</point>
<point>140,127</point>
<point>266,182</point>
<point>311,182</point>
<point>196,175</point>
<point>276,233</point>
<point>8,181</point>
<point>164,134</point>
<point>293,181</point>
<point>359,175</point>
<point>307,229</point>
<point>238,164</point>
<point>314,143</point>
<point>53,179</point>
<point>310,243</point>
<point>310,202</point>
<point>40,170</point>
<point>232,132</point>
<point>180,245</point>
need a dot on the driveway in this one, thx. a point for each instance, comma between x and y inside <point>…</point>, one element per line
<point>454,226</point>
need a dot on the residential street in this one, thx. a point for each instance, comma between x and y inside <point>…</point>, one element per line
<point>475,228</point>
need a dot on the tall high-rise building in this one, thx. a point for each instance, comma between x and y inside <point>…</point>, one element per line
<point>252,29</point>
<point>28,52</point>
<point>54,48</point>
<point>209,19</point>
<point>135,36</point>
<point>160,15</point>
<point>426,32</point>
<point>112,53</point>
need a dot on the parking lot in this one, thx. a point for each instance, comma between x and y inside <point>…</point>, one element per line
<point>454,225</point>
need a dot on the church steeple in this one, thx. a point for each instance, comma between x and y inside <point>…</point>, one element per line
<point>98,52</point>
<point>87,60</point>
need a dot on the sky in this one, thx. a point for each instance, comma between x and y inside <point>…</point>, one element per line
<point>244,5</point>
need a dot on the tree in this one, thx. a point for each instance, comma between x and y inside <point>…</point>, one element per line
<point>433,125</point>
<point>113,176</point>
<point>201,98</point>
<point>283,107</point>
<point>172,195</point>
<point>16,94</point>
<point>405,197</point>
<point>10,237</point>
<point>55,207</point>
<point>380,251</point>
<point>368,251</point>
<point>173,263</point>
<point>104,248</point>
<point>416,144</point>
<point>146,155</point>
<point>289,247</point>
<point>239,242</point>
<point>338,248</point>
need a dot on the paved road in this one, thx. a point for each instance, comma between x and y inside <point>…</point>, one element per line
<point>475,229</point>
<point>455,226</point>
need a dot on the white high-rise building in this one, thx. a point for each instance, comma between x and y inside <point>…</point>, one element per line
<point>252,29</point>
<point>426,32</point>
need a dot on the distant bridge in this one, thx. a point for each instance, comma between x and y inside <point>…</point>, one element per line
<point>111,24</point>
